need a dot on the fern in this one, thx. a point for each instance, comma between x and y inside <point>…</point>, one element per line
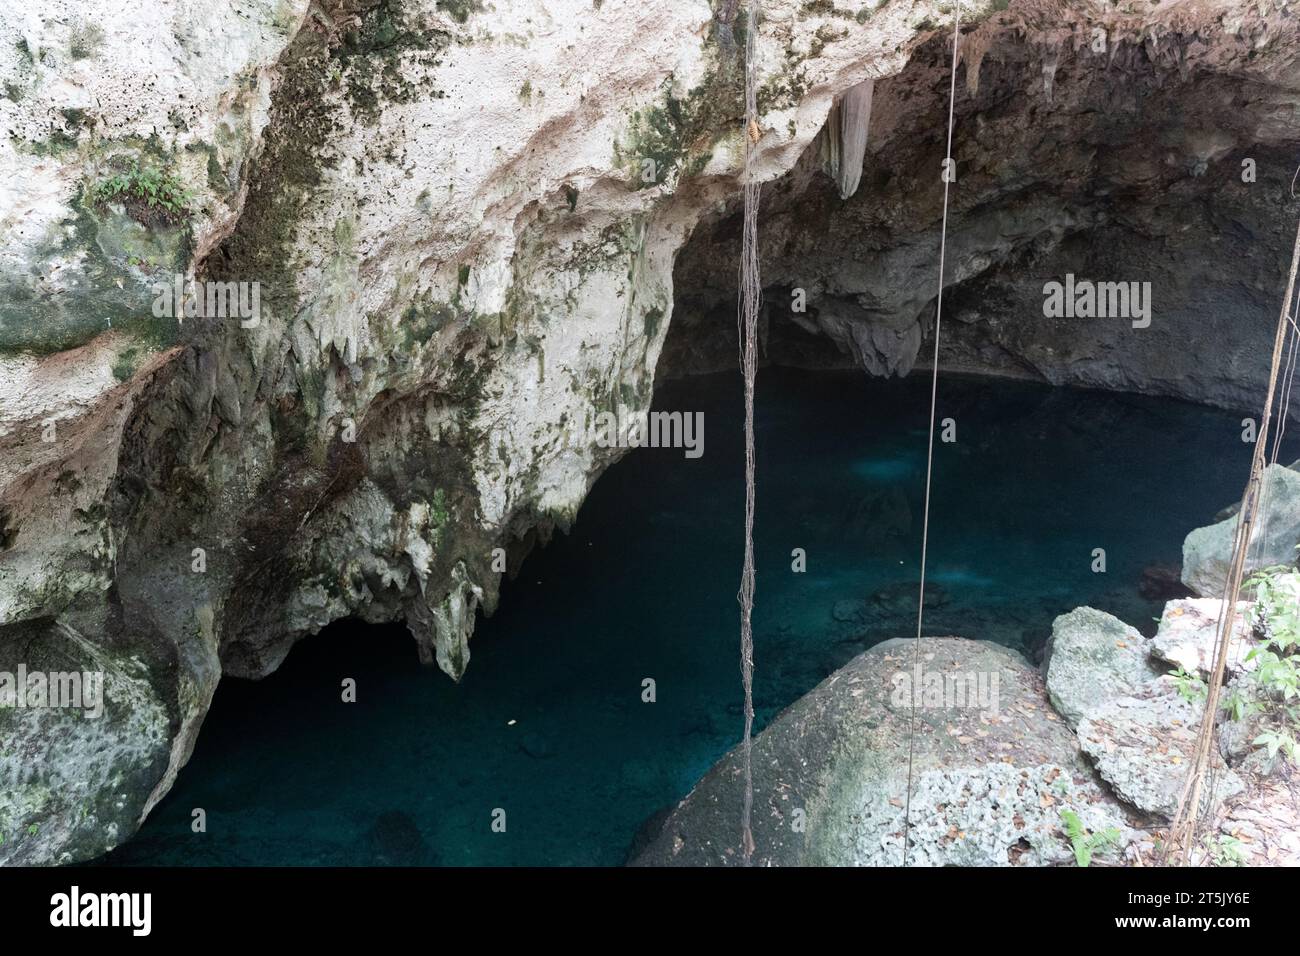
<point>159,191</point>
<point>1083,843</point>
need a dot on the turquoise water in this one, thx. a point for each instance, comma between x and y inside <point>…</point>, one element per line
<point>549,723</point>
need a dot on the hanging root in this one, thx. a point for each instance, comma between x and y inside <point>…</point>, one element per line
<point>1185,827</point>
<point>750,294</point>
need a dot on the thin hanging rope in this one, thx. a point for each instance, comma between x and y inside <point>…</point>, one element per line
<point>750,295</point>
<point>949,170</point>
<point>1185,826</point>
<point>1255,558</point>
<point>1255,554</point>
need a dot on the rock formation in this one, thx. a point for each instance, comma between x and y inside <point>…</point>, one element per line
<point>992,772</point>
<point>462,219</point>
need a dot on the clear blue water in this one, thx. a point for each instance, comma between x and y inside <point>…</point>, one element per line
<point>549,723</point>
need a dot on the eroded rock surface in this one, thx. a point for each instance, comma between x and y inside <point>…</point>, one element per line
<point>464,219</point>
<point>1189,629</point>
<point>1143,743</point>
<point>1107,143</point>
<point>1091,657</point>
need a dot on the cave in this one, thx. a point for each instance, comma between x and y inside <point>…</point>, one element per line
<point>1020,379</point>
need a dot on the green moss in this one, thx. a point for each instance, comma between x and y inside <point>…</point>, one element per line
<point>117,294</point>
<point>374,59</point>
<point>459,10</point>
<point>86,42</point>
<point>439,513</point>
<point>125,365</point>
<point>423,320</point>
<point>653,319</point>
<point>679,135</point>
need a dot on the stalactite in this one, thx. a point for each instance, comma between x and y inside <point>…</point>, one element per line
<point>1051,59</point>
<point>855,117</point>
<point>830,143</point>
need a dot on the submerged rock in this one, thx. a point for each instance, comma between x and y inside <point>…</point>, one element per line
<point>1091,657</point>
<point>1162,582</point>
<point>993,767</point>
<point>901,598</point>
<point>848,611</point>
<point>1207,552</point>
<point>395,839</point>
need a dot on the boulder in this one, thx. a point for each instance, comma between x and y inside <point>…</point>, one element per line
<point>1207,551</point>
<point>1143,744</point>
<point>1091,657</point>
<point>993,767</point>
<point>1189,629</point>
<point>91,733</point>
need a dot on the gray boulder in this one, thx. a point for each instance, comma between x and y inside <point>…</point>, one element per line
<point>1207,551</point>
<point>993,767</point>
<point>1189,629</point>
<point>75,758</point>
<point>1092,657</point>
<point>1143,745</point>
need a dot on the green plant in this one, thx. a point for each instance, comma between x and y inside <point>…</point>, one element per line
<point>1228,851</point>
<point>1277,605</point>
<point>1273,687</point>
<point>148,193</point>
<point>1274,740</point>
<point>1083,843</point>
<point>1190,686</point>
<point>1238,704</point>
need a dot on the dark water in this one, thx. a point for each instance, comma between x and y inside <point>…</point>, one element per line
<point>549,724</point>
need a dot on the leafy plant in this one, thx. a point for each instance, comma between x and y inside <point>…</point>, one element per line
<point>159,194</point>
<point>1275,740</point>
<point>1191,687</point>
<point>1228,851</point>
<point>1273,687</point>
<point>1083,843</point>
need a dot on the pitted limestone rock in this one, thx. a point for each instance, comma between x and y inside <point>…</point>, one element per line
<point>70,774</point>
<point>1091,657</point>
<point>1143,745</point>
<point>1189,629</point>
<point>992,771</point>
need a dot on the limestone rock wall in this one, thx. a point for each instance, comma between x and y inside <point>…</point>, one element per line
<point>462,218</point>
<point>1145,143</point>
